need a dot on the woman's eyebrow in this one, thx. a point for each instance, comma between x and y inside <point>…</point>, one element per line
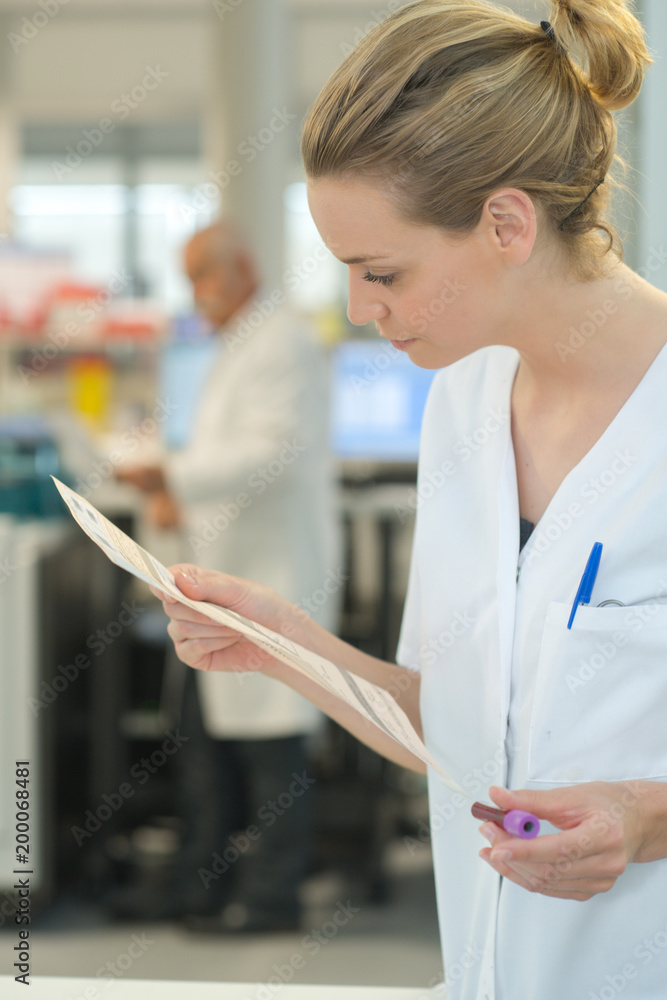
<point>366,260</point>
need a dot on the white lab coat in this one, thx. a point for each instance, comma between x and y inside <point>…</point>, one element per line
<point>509,696</point>
<point>256,487</point>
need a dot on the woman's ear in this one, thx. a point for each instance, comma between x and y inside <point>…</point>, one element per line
<point>509,220</point>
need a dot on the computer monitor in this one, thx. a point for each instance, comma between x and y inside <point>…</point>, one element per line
<point>378,400</point>
<point>377,397</point>
<point>184,367</point>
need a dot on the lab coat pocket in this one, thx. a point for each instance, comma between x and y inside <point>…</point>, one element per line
<point>600,707</point>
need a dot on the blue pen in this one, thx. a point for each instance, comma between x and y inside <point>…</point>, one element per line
<point>587,581</point>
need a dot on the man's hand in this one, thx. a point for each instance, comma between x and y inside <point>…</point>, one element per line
<point>162,510</point>
<point>147,478</point>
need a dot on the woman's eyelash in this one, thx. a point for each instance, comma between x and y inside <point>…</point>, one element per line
<point>384,279</point>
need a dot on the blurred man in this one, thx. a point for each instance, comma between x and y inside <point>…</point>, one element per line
<point>252,496</point>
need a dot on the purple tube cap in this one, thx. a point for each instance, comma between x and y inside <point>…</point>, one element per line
<point>521,824</point>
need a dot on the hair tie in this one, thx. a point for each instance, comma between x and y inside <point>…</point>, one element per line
<point>579,207</point>
<point>548,30</point>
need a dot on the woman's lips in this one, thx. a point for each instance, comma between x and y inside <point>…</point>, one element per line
<point>400,343</point>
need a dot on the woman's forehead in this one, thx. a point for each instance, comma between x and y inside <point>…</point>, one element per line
<point>358,221</point>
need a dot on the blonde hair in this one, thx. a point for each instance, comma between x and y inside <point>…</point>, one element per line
<point>448,100</point>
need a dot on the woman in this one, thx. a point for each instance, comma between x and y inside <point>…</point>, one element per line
<point>459,162</point>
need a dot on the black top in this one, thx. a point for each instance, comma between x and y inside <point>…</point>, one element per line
<point>526,531</point>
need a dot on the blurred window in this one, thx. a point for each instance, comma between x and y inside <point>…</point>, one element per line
<point>131,204</point>
<point>134,205</point>
<point>109,227</point>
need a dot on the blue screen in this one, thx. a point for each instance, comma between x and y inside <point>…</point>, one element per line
<point>184,366</point>
<point>378,400</point>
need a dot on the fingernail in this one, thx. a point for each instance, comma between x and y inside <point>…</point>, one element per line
<point>488,832</point>
<point>501,855</point>
<point>189,579</point>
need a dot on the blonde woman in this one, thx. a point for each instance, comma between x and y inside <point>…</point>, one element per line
<point>462,147</point>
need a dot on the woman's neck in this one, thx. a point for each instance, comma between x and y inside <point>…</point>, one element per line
<point>590,339</point>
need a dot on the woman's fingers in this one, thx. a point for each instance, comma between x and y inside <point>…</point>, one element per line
<point>202,647</point>
<point>179,629</point>
<point>203,585</point>
<point>577,864</point>
<point>550,881</point>
<point>579,891</point>
<point>203,643</point>
<point>207,585</point>
<point>181,612</point>
<point>216,654</point>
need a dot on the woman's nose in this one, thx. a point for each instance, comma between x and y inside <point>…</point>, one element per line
<point>364,303</point>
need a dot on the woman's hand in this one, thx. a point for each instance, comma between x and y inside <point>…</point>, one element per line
<point>606,825</point>
<point>205,645</point>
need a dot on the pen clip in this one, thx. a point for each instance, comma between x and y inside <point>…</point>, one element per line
<point>585,591</point>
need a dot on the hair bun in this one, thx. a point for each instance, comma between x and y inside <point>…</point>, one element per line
<point>610,44</point>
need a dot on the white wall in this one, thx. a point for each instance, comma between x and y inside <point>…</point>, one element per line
<point>651,160</point>
<point>76,67</point>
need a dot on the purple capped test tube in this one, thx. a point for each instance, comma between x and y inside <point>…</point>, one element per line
<point>515,821</point>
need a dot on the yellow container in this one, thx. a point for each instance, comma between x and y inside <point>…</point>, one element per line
<point>91,382</point>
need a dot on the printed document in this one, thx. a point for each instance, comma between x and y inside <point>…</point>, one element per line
<point>372,702</point>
